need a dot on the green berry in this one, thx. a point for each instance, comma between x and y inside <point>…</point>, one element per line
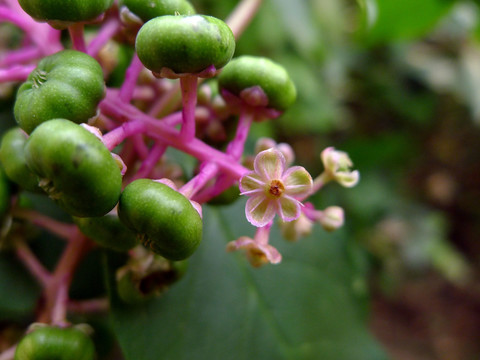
<point>165,220</point>
<point>246,72</point>
<point>107,231</point>
<point>55,343</point>
<point>75,168</point>
<point>63,12</point>
<point>149,9</point>
<point>184,44</point>
<point>12,156</point>
<point>68,85</point>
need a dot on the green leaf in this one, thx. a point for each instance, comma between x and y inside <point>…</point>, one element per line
<point>304,308</point>
<point>393,20</point>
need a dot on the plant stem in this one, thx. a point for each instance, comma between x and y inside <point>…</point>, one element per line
<point>106,32</point>
<point>207,172</point>
<point>88,306</point>
<point>16,73</point>
<point>188,84</point>
<point>236,146</point>
<point>148,164</point>
<point>63,230</point>
<point>9,354</point>
<point>56,293</point>
<point>32,264</point>
<point>116,136</point>
<point>16,57</point>
<point>15,18</point>
<point>241,16</point>
<point>76,34</point>
<point>131,76</point>
<point>160,131</point>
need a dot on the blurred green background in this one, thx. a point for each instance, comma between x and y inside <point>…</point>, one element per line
<point>396,84</point>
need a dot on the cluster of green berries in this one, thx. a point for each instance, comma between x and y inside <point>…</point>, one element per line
<point>52,152</point>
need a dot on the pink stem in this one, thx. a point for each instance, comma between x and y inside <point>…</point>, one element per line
<point>8,354</point>
<point>88,306</point>
<point>235,149</point>
<point>149,163</point>
<point>107,31</point>
<point>262,234</point>
<point>236,146</point>
<point>131,76</point>
<point>7,14</point>
<point>56,293</point>
<point>55,227</point>
<point>188,85</point>
<point>32,264</point>
<point>16,73</point>
<point>59,310</point>
<point>115,137</point>
<point>15,57</point>
<point>208,171</point>
<point>241,16</point>
<point>157,130</point>
<point>76,34</point>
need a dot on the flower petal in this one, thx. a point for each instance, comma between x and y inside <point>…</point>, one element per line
<point>272,254</point>
<point>251,181</point>
<point>348,179</point>
<point>288,208</point>
<point>297,181</point>
<point>270,164</point>
<point>259,210</point>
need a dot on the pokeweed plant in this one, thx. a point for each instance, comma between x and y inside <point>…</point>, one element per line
<point>80,143</point>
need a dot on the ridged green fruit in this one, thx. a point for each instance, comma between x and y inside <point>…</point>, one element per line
<point>75,168</point>
<point>149,9</point>
<point>246,72</point>
<point>55,343</point>
<point>12,156</point>
<point>68,85</point>
<point>164,219</point>
<point>184,44</point>
<point>64,10</point>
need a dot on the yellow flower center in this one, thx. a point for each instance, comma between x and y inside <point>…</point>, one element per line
<point>276,188</point>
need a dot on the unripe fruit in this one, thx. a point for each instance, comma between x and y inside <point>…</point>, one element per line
<point>75,168</point>
<point>68,84</point>
<point>12,156</point>
<point>51,342</point>
<point>137,284</point>
<point>184,44</point>
<point>165,220</point>
<point>107,231</point>
<point>61,13</point>
<point>246,72</point>
<point>149,9</point>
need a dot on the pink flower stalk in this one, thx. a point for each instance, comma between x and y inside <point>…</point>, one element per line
<point>274,189</point>
<point>257,250</point>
